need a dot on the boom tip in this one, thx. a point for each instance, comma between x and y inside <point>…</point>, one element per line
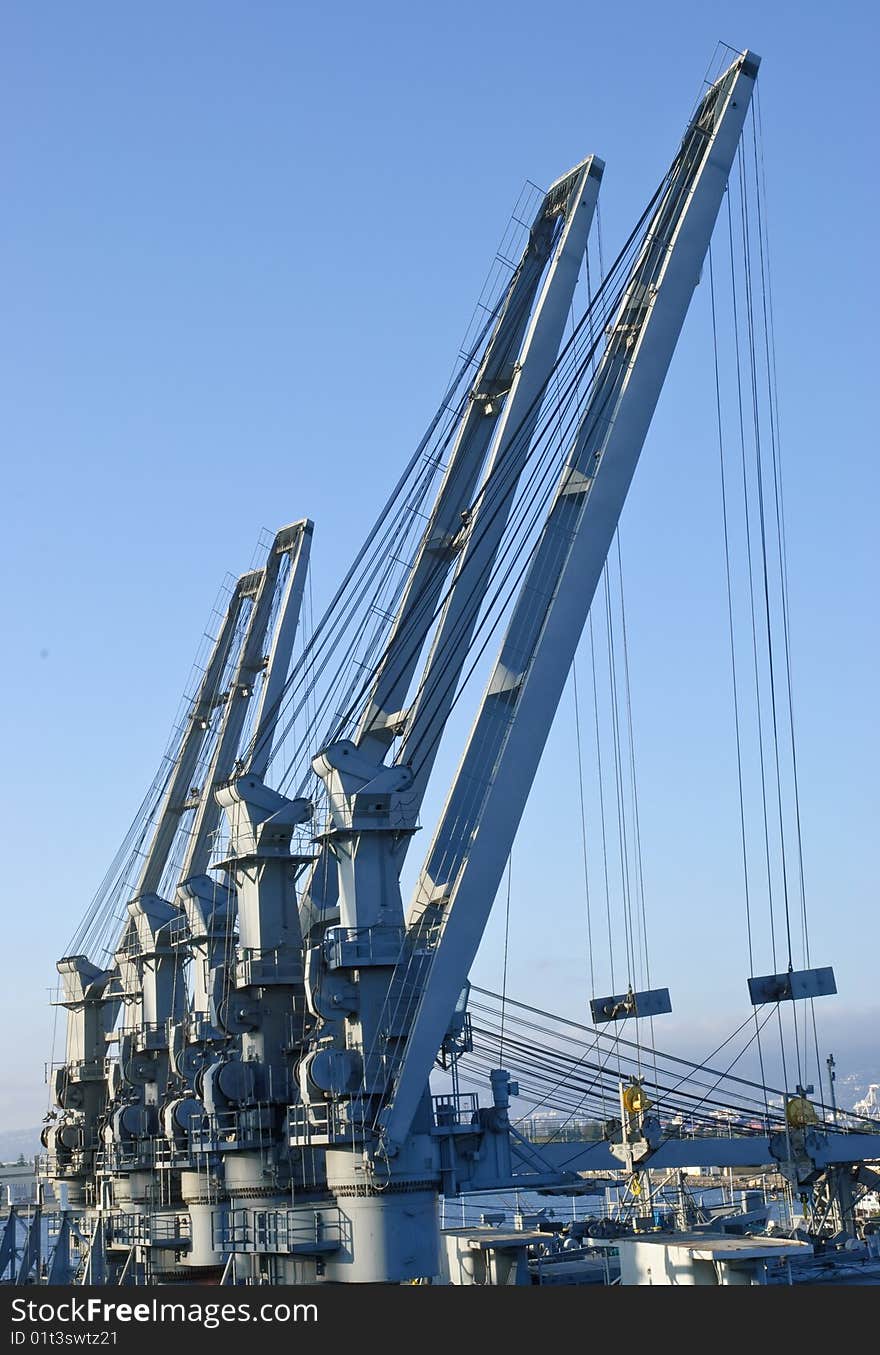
<point>750,63</point>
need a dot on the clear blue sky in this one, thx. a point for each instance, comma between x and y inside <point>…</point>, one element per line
<point>240,244</point>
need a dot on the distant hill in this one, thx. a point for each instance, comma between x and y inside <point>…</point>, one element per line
<point>854,1090</point>
<point>14,1142</point>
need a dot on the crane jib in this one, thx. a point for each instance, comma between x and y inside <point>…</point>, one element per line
<point>465,862</point>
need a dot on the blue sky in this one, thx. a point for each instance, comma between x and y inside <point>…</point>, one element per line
<point>240,245</point>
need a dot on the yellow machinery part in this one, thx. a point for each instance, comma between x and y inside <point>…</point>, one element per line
<point>635,1101</point>
<point>800,1112</point>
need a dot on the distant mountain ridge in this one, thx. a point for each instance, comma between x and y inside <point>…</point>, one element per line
<point>14,1142</point>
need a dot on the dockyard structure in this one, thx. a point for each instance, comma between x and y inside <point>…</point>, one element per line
<point>246,1092</point>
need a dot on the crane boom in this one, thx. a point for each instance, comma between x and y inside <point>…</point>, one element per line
<point>452,639</point>
<point>465,863</point>
<point>504,402</point>
<point>191,744</point>
<point>278,663</point>
<point>499,399</point>
<point>295,541</point>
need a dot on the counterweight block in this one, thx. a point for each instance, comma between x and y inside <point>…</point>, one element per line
<point>652,1002</point>
<point>792,986</point>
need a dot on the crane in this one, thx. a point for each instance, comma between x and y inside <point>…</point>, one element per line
<point>364,1079</point>
<point>279,1102</point>
<point>113,1107</point>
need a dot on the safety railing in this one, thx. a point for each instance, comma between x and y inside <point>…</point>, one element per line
<point>227,1130</point>
<point>456,1110</point>
<point>127,1155</point>
<point>285,1231</point>
<point>149,1230</point>
<point>151,1035</point>
<point>178,930</point>
<point>78,1070</point>
<point>357,947</point>
<point>319,1123</point>
<point>167,1155</point>
<point>271,965</point>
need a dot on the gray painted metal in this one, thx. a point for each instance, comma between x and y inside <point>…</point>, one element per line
<point>792,986</point>
<point>266,1010</point>
<point>7,1242</point>
<point>499,398</point>
<point>95,1269</point>
<point>373,808</point>
<point>250,662</point>
<point>177,794</point>
<point>467,857</point>
<point>733,1151</point>
<point>295,540</point>
<point>60,1269</point>
<point>488,521</point>
<point>33,1248</point>
<point>512,375</point>
<point>651,1002</point>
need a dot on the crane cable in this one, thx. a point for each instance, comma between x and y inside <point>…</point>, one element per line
<point>776,456</point>
<point>752,601</point>
<point>636,819</point>
<point>496,485</point>
<point>532,1017</point>
<point>410,992</point>
<point>504,974</point>
<point>736,716</point>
